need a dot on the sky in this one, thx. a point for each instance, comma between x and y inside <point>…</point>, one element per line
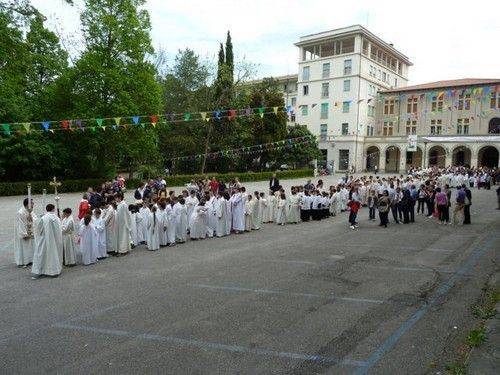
<point>443,39</point>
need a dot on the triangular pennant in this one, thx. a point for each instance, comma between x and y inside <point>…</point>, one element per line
<point>104,128</point>
<point>46,125</point>
<point>203,115</point>
<point>187,116</point>
<point>79,123</point>
<point>136,119</point>
<point>99,121</point>
<point>27,126</point>
<point>217,114</point>
<point>154,124</point>
<point>248,111</point>
<point>114,127</point>
<point>154,119</point>
<point>65,124</point>
<point>117,120</point>
<point>261,112</point>
<point>275,110</point>
<point>52,131</point>
<point>6,129</point>
<point>92,128</point>
<point>232,114</point>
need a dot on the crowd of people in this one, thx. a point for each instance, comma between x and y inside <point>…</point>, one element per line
<point>108,226</point>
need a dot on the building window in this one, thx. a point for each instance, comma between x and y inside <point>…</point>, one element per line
<point>436,127</point>
<point>347,85</point>
<point>345,107</point>
<point>365,47</point>
<point>395,82</point>
<point>463,126</point>
<point>345,128</point>
<point>305,73</point>
<point>495,100</point>
<point>326,70</point>
<point>371,110</point>
<point>369,130</point>
<point>464,101</point>
<point>305,90</point>
<point>384,76</point>
<point>324,111</point>
<point>323,131</point>
<point>388,127</point>
<point>411,127</point>
<point>347,67</point>
<point>412,105</point>
<point>389,106</point>
<point>294,102</point>
<point>437,103</point>
<point>325,90</point>
<point>373,71</point>
<point>304,110</point>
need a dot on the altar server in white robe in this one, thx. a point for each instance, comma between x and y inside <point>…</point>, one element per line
<point>48,256</point>
<point>100,234</point>
<point>263,203</point>
<point>181,223</point>
<point>334,203</point>
<point>293,215</point>
<point>161,215</point>
<point>238,212</point>
<point>123,225</point>
<point>171,221</point>
<point>134,232</point>
<point>211,215</point>
<point>229,214</point>
<point>271,201</point>
<point>68,234</point>
<point>249,205</point>
<point>144,212</point>
<point>154,226</point>
<point>256,215</point>
<point>344,197</point>
<point>109,217</point>
<point>191,202</point>
<point>139,223</point>
<point>281,210</point>
<point>197,222</point>
<point>24,242</point>
<point>88,241</point>
<point>220,213</point>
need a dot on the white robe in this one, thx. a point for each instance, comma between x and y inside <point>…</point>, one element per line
<point>281,211</point>
<point>271,202</point>
<point>181,223</point>
<point>293,215</point>
<point>228,216</point>
<point>123,227</point>
<point>88,244</point>
<point>69,246</point>
<point>191,203</point>
<point>264,210</point>
<point>197,223</point>
<point>238,212</point>
<point>256,217</point>
<point>220,213</point>
<point>144,212</point>
<point>155,227</point>
<point>249,215</point>
<point>161,215</point>
<point>334,204</point>
<point>139,228</point>
<point>100,236</point>
<point>212,216</point>
<point>48,256</point>
<point>109,217</point>
<point>171,224</point>
<point>24,246</point>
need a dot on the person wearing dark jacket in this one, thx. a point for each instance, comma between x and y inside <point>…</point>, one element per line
<point>274,183</point>
<point>405,204</point>
<point>468,203</point>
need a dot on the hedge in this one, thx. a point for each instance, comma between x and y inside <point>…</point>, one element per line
<point>71,186</point>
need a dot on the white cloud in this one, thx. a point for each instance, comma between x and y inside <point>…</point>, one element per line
<point>444,40</point>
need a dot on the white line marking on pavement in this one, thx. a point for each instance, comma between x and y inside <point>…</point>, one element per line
<point>279,292</point>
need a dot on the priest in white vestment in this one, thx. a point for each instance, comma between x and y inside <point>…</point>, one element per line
<point>191,202</point>
<point>68,234</point>
<point>238,212</point>
<point>220,213</point>
<point>24,243</point>
<point>48,256</point>
<point>181,223</point>
<point>256,215</point>
<point>109,217</point>
<point>197,222</point>
<point>123,226</point>
<point>155,227</point>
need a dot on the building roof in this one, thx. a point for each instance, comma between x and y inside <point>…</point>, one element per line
<point>464,82</point>
<point>285,78</point>
<point>350,30</point>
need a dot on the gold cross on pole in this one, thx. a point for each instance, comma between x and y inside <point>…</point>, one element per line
<point>55,184</point>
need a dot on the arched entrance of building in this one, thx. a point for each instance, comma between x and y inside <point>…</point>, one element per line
<point>488,157</point>
<point>392,156</point>
<point>372,158</point>
<point>494,125</point>
<point>437,157</point>
<point>461,156</point>
<point>414,159</point>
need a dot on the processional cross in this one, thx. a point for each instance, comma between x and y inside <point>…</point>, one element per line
<point>55,184</point>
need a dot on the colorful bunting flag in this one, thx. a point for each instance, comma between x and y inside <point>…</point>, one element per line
<point>27,126</point>
<point>275,110</point>
<point>136,119</point>
<point>203,116</point>
<point>46,125</point>
<point>187,116</point>
<point>99,121</point>
<point>261,112</point>
<point>117,120</point>
<point>6,129</point>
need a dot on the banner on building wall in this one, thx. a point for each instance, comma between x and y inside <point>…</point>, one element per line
<point>412,143</point>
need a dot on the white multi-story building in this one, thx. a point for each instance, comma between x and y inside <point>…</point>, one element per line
<point>351,92</point>
<point>340,73</point>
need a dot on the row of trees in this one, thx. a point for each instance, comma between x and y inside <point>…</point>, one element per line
<point>118,73</point>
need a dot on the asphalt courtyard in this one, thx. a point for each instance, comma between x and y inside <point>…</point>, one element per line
<point>311,298</point>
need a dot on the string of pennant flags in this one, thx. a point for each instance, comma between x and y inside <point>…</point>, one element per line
<point>115,123</point>
<point>255,149</point>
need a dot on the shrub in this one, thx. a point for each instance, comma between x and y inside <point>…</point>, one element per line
<point>71,186</point>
